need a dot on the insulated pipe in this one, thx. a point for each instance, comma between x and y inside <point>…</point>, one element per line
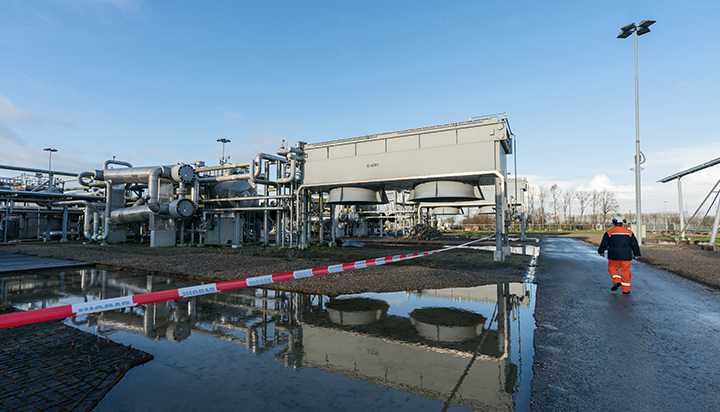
<point>239,176</point>
<point>81,178</point>
<point>195,192</point>
<point>87,219</point>
<point>222,167</point>
<point>153,179</point>
<point>293,173</point>
<point>106,216</point>
<point>134,214</point>
<point>63,239</point>
<point>96,226</point>
<point>256,168</point>
<point>115,162</point>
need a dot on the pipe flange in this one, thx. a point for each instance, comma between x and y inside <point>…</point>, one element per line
<point>183,173</point>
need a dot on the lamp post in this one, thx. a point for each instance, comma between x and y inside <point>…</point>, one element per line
<point>223,159</point>
<point>50,173</point>
<point>626,31</point>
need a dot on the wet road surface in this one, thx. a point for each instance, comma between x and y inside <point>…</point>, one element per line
<point>657,349</point>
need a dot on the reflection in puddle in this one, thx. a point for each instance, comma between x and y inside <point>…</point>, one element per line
<point>334,353</point>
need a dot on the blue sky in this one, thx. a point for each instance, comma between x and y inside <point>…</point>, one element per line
<point>157,82</point>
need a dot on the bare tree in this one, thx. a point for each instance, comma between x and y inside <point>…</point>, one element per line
<point>583,198</point>
<point>567,198</point>
<point>607,203</point>
<point>595,205</point>
<point>555,194</point>
<point>542,200</point>
<point>531,195</point>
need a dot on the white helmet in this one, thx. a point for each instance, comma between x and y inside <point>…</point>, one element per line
<point>618,220</point>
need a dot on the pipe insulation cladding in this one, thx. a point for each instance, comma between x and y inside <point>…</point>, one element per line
<point>178,173</point>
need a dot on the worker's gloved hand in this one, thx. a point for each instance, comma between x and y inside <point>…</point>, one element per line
<point>601,254</point>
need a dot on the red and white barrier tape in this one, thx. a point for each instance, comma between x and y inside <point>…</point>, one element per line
<point>59,312</point>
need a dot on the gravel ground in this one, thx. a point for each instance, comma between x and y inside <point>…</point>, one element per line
<point>456,268</point>
<point>688,261</point>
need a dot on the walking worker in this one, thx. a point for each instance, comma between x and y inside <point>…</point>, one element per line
<point>621,244</point>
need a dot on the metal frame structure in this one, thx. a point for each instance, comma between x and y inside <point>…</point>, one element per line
<point>686,172</point>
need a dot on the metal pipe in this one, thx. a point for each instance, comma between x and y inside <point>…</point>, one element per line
<point>8,206</point>
<point>96,226</point>
<point>222,167</point>
<point>45,195</point>
<point>28,169</point>
<point>195,192</point>
<point>115,162</point>
<point>81,178</point>
<point>236,199</point>
<point>63,239</point>
<point>106,214</point>
<point>246,209</point>
<point>134,214</point>
<point>226,178</point>
<point>293,173</point>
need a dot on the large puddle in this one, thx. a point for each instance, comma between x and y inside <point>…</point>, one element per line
<point>255,349</point>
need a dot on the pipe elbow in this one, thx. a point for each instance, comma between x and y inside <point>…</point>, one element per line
<point>82,176</point>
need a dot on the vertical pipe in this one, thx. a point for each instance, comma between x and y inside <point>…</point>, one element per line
<point>332,223</point>
<point>498,255</point>
<point>266,224</point>
<point>64,224</point>
<point>238,229</point>
<point>8,203</point>
<point>47,225</point>
<point>96,225</point>
<point>322,216</point>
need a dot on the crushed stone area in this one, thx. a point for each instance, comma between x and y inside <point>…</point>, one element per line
<point>455,268</point>
<point>688,261</point>
<point>51,366</point>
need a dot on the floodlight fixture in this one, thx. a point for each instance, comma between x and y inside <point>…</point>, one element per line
<point>629,27</point>
<point>624,34</point>
<point>646,23</point>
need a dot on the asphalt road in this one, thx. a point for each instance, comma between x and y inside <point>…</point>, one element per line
<point>657,349</point>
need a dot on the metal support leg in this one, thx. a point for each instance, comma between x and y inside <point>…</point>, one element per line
<point>64,224</point>
<point>713,231</point>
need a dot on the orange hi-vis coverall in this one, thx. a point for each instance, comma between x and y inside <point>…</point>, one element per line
<point>621,244</point>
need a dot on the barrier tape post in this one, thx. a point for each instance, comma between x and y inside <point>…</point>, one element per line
<point>65,311</point>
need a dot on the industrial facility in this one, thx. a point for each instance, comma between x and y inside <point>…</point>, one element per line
<point>375,185</point>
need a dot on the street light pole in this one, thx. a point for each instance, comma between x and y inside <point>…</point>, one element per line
<point>637,30</point>
<point>50,173</point>
<point>223,160</point>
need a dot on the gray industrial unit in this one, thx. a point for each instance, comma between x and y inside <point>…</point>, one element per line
<point>455,162</point>
<point>456,151</point>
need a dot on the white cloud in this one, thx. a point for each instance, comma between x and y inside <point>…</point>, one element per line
<point>11,113</point>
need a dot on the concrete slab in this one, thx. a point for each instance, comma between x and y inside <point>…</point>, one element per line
<point>14,262</point>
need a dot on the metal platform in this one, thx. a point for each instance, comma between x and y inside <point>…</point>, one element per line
<point>14,262</point>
